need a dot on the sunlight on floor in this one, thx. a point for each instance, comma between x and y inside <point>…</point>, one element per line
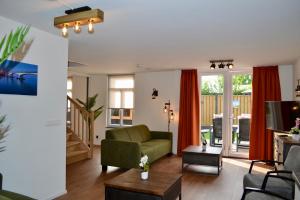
<point>246,164</point>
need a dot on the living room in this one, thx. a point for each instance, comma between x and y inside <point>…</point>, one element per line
<point>139,43</point>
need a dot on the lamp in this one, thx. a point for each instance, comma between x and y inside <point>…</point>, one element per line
<point>297,90</point>
<point>221,65</point>
<point>154,93</point>
<point>79,17</point>
<point>213,66</point>
<point>167,109</point>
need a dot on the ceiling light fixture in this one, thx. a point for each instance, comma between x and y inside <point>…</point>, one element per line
<point>221,65</point>
<point>79,17</point>
<point>213,66</point>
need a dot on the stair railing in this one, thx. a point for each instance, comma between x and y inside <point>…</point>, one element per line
<point>81,123</point>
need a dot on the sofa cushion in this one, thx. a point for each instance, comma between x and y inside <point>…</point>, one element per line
<point>139,133</point>
<point>156,148</point>
<point>117,134</point>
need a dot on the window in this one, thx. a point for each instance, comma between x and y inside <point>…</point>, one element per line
<point>121,97</point>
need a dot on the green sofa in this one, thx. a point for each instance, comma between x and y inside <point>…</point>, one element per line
<point>7,195</point>
<point>123,147</point>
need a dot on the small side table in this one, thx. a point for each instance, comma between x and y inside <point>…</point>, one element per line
<point>211,157</point>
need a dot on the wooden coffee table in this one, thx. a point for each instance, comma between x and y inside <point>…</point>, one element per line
<point>159,186</point>
<point>211,157</point>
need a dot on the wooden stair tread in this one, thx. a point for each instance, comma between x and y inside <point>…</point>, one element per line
<point>77,152</point>
<point>72,143</point>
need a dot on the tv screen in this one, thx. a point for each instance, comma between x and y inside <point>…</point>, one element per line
<point>281,115</point>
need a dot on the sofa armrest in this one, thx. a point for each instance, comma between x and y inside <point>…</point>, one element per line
<point>161,135</point>
<point>122,154</point>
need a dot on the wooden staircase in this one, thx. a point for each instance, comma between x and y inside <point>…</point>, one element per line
<point>80,132</point>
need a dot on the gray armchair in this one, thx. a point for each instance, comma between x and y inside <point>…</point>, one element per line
<point>279,182</point>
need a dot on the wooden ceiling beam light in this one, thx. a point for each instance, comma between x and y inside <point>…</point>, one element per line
<point>79,17</point>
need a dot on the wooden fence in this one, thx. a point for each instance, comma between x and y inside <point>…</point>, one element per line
<point>213,104</point>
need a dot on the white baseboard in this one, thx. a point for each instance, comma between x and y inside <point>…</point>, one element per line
<point>57,195</point>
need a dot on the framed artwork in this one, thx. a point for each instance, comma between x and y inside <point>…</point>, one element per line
<point>18,78</point>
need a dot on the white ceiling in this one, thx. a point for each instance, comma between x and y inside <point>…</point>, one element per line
<point>168,34</point>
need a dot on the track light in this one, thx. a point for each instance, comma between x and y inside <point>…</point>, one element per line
<point>221,65</point>
<point>213,66</point>
<point>229,65</point>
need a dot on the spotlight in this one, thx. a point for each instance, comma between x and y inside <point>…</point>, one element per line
<point>213,66</point>
<point>230,65</point>
<point>221,66</point>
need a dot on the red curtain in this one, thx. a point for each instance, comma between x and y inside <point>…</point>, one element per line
<point>266,87</point>
<point>189,118</point>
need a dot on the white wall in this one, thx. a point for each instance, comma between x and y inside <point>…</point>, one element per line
<point>34,162</point>
<point>98,85</point>
<point>296,76</point>
<point>79,87</point>
<point>150,111</point>
<point>286,82</point>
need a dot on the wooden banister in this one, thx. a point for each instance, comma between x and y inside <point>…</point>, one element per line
<point>81,123</point>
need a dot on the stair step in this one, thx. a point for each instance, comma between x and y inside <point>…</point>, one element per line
<point>75,156</point>
<point>72,143</point>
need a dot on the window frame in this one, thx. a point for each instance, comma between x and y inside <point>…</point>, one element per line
<point>121,109</point>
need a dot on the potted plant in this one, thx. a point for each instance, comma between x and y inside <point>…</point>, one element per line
<point>295,131</point>
<point>91,102</point>
<point>144,164</point>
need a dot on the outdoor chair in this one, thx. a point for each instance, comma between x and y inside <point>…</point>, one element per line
<point>244,131</point>
<point>279,182</point>
<point>216,132</point>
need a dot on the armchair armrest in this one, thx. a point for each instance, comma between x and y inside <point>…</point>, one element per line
<point>248,190</point>
<point>264,161</point>
<point>161,135</point>
<point>270,174</point>
<point>1,179</point>
<point>118,153</point>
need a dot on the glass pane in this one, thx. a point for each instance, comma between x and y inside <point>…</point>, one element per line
<point>212,89</point>
<point>115,99</point>
<point>127,100</point>
<point>121,82</point>
<point>69,84</point>
<point>241,111</point>
<point>127,117</point>
<point>114,116</point>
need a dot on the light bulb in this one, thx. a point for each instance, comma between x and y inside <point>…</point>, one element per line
<point>172,115</point>
<point>64,31</point>
<point>165,109</point>
<point>77,28</point>
<point>90,26</point>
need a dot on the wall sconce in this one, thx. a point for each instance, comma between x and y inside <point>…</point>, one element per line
<point>154,93</point>
<point>167,109</point>
<point>297,90</point>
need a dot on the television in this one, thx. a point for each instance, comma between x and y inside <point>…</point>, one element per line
<point>281,115</point>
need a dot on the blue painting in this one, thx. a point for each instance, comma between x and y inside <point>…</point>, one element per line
<point>18,78</point>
